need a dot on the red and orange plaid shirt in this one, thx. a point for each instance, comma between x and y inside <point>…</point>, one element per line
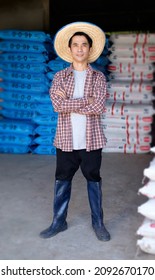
<point>95,85</point>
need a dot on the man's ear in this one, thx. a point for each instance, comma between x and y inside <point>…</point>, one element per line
<point>90,50</point>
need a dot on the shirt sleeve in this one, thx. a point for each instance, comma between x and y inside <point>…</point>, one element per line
<point>67,105</point>
<point>100,93</point>
<point>79,105</point>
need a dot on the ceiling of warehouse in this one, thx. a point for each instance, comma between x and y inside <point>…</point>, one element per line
<point>51,15</point>
<point>110,16</point>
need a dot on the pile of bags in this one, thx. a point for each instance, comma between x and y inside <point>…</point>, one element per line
<point>24,86</point>
<point>147,209</point>
<point>130,93</point>
<point>27,66</point>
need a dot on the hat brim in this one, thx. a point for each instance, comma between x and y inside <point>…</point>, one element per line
<point>64,34</point>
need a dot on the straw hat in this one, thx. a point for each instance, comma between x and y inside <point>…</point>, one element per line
<point>65,33</point>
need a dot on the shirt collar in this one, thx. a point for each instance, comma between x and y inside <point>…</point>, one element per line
<point>70,69</point>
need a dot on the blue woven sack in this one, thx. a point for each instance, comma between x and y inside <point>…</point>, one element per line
<point>14,149</point>
<point>18,105</point>
<point>28,35</point>
<point>50,75</point>
<point>45,119</point>
<point>13,127</point>
<point>19,139</point>
<point>21,86</point>
<point>22,46</point>
<point>45,109</point>
<point>45,129</point>
<point>44,150</point>
<point>23,77</point>
<point>17,114</point>
<point>23,57</point>
<point>24,67</point>
<point>42,98</point>
<point>44,139</point>
<point>57,64</point>
<point>25,96</point>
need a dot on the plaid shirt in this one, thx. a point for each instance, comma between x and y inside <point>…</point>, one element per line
<point>95,85</point>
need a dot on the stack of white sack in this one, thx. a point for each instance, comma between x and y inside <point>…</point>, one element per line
<point>127,127</point>
<point>147,209</point>
<point>137,48</point>
<point>130,92</point>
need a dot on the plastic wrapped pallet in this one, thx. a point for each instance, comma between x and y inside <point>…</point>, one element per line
<point>147,244</point>
<point>147,228</point>
<point>147,209</point>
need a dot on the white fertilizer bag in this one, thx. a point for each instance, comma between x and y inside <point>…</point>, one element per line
<point>152,162</point>
<point>128,138</point>
<point>131,68</point>
<point>126,148</point>
<point>147,228</point>
<point>148,190</point>
<point>136,59</point>
<point>137,49</point>
<point>150,172</point>
<point>131,98</point>
<point>131,77</point>
<point>134,38</point>
<point>128,119</point>
<point>116,127</point>
<point>122,109</point>
<point>147,209</point>
<point>152,149</point>
<point>147,244</point>
<point>114,86</point>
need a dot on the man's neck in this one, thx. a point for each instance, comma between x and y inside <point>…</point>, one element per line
<point>80,66</point>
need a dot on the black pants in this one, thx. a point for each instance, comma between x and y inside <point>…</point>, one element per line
<point>68,163</point>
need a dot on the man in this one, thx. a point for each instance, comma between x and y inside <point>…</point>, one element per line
<point>78,94</point>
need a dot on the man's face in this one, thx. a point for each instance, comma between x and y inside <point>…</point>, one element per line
<point>80,49</point>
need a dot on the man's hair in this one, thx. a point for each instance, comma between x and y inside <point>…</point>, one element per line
<point>90,42</point>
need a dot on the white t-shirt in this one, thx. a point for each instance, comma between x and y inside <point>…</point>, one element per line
<point>79,121</point>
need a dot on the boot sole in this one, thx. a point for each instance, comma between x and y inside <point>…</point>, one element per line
<point>45,235</point>
<point>101,237</point>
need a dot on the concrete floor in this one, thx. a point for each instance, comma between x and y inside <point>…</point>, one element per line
<point>26,188</point>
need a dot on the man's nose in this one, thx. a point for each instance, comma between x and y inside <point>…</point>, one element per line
<point>79,49</point>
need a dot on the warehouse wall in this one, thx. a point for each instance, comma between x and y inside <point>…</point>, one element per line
<point>25,14</point>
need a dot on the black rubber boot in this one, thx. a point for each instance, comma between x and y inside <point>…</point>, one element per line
<point>62,193</point>
<point>95,200</point>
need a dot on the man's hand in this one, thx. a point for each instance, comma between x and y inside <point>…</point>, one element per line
<point>61,93</point>
<point>91,100</point>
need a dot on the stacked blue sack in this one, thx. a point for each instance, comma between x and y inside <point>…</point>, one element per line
<point>15,136</point>
<point>45,120</point>
<point>23,80</point>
